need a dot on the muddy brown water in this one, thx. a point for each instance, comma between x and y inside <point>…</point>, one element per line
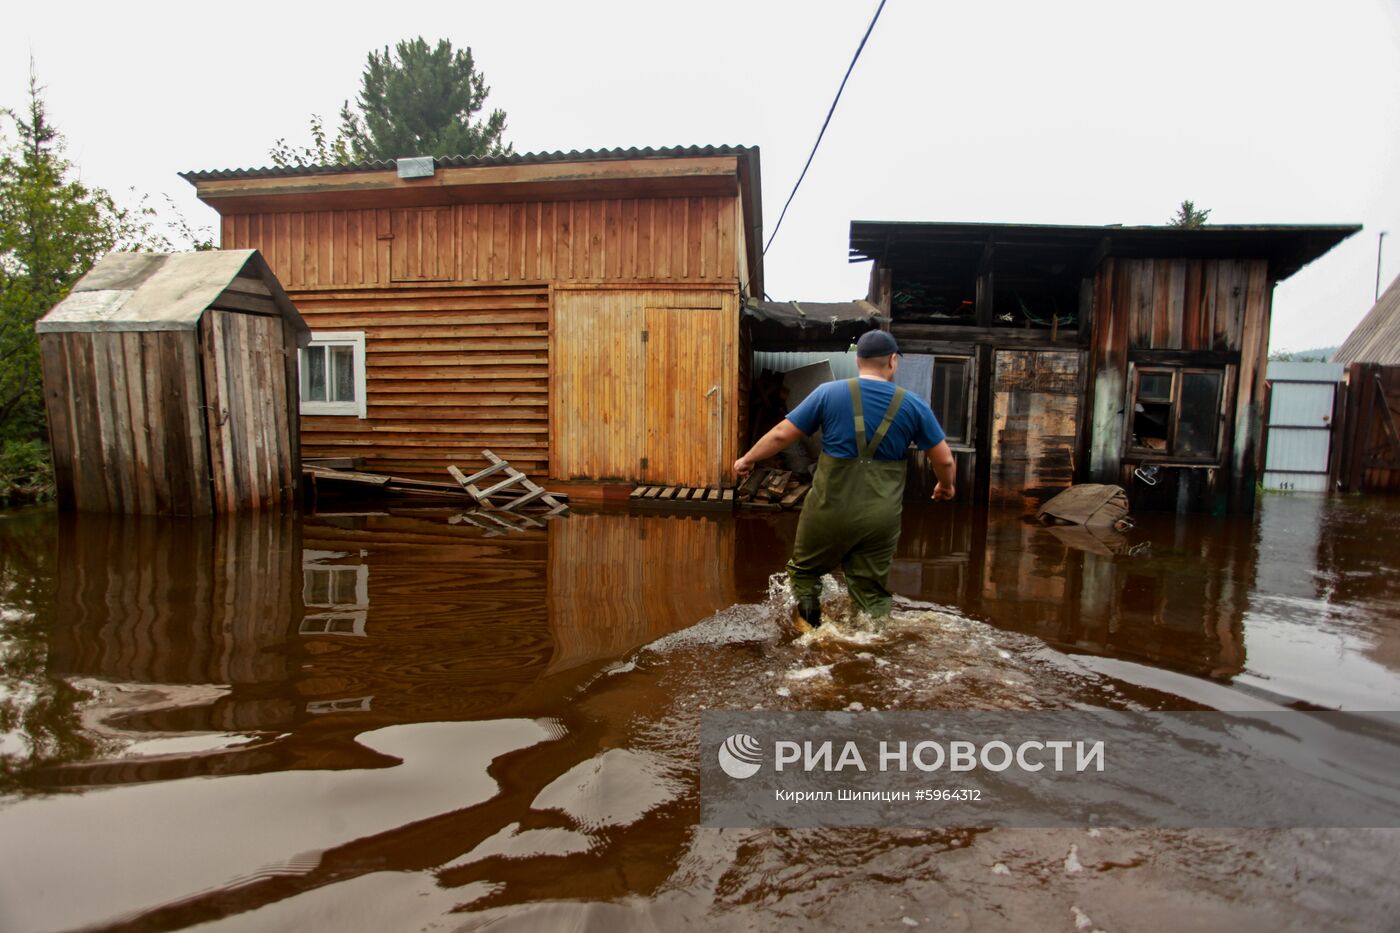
<point>397,722</point>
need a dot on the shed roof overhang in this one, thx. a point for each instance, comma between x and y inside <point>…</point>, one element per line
<point>688,171</point>
<point>1287,247</point>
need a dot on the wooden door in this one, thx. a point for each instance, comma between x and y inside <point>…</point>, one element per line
<point>684,396</point>
<point>633,377</point>
<point>1035,421</point>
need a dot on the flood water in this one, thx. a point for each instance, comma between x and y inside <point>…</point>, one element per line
<point>397,721</point>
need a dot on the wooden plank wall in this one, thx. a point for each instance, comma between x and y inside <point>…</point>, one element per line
<point>697,239</point>
<point>616,400</point>
<point>126,424</point>
<point>1035,423</point>
<point>1180,311</point>
<point>449,372</point>
<point>251,427</point>
<point>1368,437</point>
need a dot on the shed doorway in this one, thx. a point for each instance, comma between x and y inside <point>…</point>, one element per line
<point>642,386</point>
<point>684,397</point>
<point>1035,424</point>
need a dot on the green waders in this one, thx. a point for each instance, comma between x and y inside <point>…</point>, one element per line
<point>850,519</point>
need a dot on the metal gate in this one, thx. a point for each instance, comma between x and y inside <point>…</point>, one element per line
<point>1302,399</point>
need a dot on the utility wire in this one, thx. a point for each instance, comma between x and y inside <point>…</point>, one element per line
<point>825,123</point>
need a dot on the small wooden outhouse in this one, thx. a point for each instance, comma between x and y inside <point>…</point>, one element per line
<point>169,383</point>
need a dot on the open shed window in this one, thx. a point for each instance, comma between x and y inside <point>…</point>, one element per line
<point>952,396</point>
<point>1176,412</point>
<point>333,374</point>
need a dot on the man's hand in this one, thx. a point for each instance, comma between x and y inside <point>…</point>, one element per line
<point>782,434</point>
<point>942,493</point>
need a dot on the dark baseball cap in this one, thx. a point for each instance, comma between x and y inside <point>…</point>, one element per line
<point>876,343</point>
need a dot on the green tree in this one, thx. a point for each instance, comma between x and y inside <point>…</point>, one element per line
<point>53,227</point>
<point>1188,216</point>
<point>414,100</point>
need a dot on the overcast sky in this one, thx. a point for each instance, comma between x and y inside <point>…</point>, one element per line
<point>1032,112</point>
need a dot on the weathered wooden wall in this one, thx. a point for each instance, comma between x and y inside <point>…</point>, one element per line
<point>126,423</point>
<point>1176,312</point>
<point>251,426</point>
<point>693,239</point>
<point>448,373</point>
<point>1035,424</point>
<point>618,398</point>
<point>1368,437</point>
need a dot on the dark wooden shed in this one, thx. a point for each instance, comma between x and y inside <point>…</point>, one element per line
<point>1368,427</point>
<point>169,383</point>
<point>1125,355</point>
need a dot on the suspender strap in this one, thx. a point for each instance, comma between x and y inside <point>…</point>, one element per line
<point>866,450</point>
<point>858,410</point>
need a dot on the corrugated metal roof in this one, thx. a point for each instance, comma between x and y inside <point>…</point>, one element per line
<point>522,158</point>
<point>1377,338</point>
<point>158,291</point>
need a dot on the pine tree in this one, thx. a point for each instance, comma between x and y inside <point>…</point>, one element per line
<point>414,100</point>
<point>1188,216</point>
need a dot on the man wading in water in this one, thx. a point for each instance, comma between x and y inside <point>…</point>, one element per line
<point>851,517</point>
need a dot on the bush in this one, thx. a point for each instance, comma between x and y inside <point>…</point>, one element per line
<point>26,473</point>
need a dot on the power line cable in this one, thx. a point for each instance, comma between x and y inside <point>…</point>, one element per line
<point>825,123</point>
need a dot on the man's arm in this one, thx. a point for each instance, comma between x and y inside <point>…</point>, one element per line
<point>945,468</point>
<point>783,434</point>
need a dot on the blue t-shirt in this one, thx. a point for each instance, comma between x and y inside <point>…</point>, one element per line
<point>829,408</point>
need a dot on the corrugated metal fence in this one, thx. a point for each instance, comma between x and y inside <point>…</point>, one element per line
<point>1302,400</point>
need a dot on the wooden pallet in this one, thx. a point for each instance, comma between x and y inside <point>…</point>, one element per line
<point>682,497</point>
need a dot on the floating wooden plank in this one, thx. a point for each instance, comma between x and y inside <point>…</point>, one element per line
<point>638,492</point>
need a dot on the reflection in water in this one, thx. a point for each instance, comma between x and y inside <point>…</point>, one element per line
<point>405,717</point>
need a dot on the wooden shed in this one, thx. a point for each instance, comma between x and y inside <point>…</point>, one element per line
<point>577,313</point>
<point>1057,354</point>
<point>169,386</point>
<point>1367,430</point>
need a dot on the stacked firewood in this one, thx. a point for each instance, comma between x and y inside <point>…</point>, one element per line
<point>773,490</point>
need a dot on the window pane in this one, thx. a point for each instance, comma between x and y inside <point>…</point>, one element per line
<point>1156,387</point>
<point>950,396</point>
<point>1200,415</point>
<point>313,374</point>
<point>342,374</point>
<point>1152,411</point>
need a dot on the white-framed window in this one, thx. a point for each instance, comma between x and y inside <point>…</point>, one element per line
<point>332,373</point>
